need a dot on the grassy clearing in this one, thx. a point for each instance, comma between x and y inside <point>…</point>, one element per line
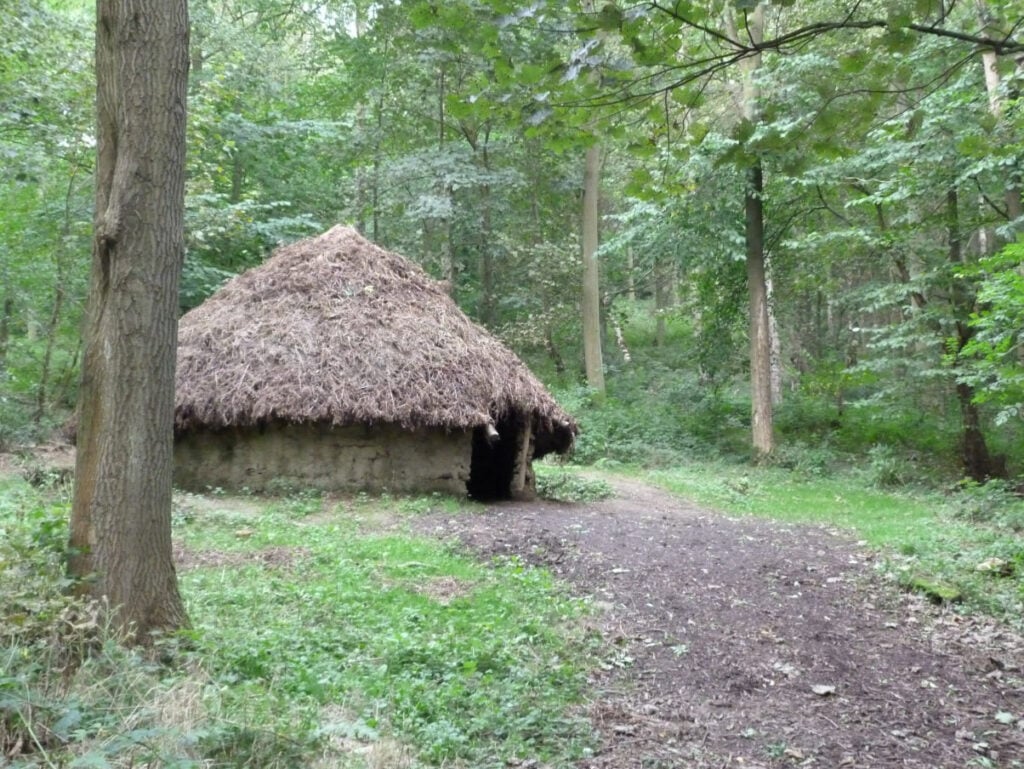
<point>971,541</point>
<point>317,640</point>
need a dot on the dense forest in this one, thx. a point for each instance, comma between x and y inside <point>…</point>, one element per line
<point>708,226</point>
<point>768,255</point>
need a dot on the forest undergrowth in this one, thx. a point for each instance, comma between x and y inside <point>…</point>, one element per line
<point>325,635</point>
<point>322,635</point>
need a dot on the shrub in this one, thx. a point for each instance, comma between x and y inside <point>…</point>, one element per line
<point>887,469</point>
<point>561,485</point>
<point>996,503</point>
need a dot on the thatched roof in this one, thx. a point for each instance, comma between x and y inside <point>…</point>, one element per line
<point>335,329</point>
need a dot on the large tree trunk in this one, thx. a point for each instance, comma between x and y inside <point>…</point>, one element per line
<point>592,356</point>
<point>121,513</point>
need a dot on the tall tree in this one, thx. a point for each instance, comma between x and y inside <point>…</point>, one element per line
<point>121,513</point>
<point>762,422</point>
<point>592,357</point>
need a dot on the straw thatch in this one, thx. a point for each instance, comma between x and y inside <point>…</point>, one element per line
<point>335,330</point>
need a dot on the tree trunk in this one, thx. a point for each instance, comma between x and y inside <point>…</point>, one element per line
<point>762,422</point>
<point>60,258</point>
<point>974,452</point>
<point>6,313</point>
<point>630,276</point>
<point>56,312</point>
<point>375,186</point>
<point>121,511</point>
<point>592,356</point>
<point>486,310</point>
<point>762,416</point>
<point>774,342</point>
<point>990,63</point>
<point>662,299</point>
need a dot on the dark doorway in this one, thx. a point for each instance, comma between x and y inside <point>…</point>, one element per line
<point>493,462</point>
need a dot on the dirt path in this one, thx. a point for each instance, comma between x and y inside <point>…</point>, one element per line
<point>746,643</point>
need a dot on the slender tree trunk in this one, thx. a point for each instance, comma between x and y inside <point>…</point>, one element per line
<point>592,355</point>
<point>375,182</point>
<point>6,313</point>
<point>56,313</point>
<point>993,83</point>
<point>445,249</point>
<point>360,130</point>
<point>774,341</point>
<point>974,451</point>
<point>662,299</point>
<point>486,309</point>
<point>762,413</point>
<point>630,276</point>
<point>237,176</point>
<point>762,422</point>
<point>57,308</point>
<point>121,512</point>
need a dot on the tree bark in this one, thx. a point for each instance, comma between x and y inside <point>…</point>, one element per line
<point>486,309</point>
<point>993,83</point>
<point>121,511</point>
<point>60,258</point>
<point>762,416</point>
<point>6,313</point>
<point>762,412</point>
<point>974,452</point>
<point>774,340</point>
<point>630,276</point>
<point>592,355</point>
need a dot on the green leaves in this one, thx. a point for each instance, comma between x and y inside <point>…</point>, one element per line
<point>610,17</point>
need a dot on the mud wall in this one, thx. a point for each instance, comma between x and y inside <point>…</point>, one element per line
<point>378,458</point>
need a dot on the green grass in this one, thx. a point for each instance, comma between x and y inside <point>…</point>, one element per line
<point>923,536</point>
<point>325,634</point>
<point>317,639</point>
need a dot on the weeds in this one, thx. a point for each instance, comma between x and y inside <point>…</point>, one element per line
<point>349,650</point>
<point>563,485</point>
<point>484,677</point>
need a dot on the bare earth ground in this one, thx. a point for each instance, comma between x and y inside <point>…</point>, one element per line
<point>747,643</point>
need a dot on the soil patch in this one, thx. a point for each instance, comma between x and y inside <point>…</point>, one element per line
<point>43,464</point>
<point>269,558</point>
<point>748,643</point>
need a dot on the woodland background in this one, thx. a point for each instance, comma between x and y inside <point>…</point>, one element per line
<point>456,133</point>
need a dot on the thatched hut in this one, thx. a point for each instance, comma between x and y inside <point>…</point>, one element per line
<point>339,365</point>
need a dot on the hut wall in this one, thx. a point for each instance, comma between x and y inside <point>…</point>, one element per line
<point>383,457</point>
